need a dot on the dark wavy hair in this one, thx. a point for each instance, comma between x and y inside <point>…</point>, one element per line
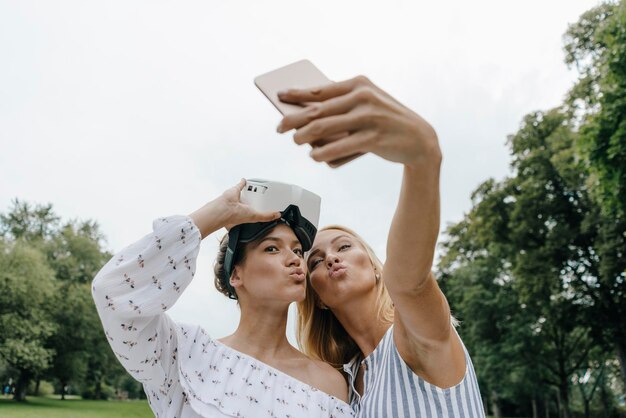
<point>221,281</point>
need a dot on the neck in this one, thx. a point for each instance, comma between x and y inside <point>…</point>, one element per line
<point>360,319</point>
<point>261,332</point>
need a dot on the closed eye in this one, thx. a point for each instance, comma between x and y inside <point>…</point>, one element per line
<point>344,246</point>
<point>314,263</point>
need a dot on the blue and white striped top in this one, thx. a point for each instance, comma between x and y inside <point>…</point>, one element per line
<point>391,389</point>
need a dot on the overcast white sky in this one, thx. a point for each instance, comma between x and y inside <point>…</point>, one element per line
<point>124,111</point>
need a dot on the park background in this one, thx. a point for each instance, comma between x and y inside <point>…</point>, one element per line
<point>113,114</point>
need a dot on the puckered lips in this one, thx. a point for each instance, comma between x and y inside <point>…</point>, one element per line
<point>298,275</point>
<point>337,271</point>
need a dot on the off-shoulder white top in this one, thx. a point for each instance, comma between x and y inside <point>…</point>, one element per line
<point>186,373</point>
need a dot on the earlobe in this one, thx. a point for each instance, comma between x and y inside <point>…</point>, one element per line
<point>376,273</point>
<point>235,280</point>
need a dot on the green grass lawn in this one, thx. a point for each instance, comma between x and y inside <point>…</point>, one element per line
<point>36,407</point>
<point>53,407</point>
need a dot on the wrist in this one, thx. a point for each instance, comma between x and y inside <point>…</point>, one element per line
<point>428,158</point>
<point>211,217</point>
<point>426,150</point>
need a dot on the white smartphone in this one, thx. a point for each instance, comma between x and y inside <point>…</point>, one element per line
<point>301,74</point>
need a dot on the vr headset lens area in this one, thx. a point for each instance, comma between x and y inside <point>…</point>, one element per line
<point>292,201</point>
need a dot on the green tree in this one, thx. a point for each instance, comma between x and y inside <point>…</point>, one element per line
<point>104,370</point>
<point>75,253</point>
<point>26,284</point>
<point>523,251</point>
<point>476,279</point>
<point>596,46</point>
<point>590,379</point>
<point>73,350</point>
<point>27,222</point>
<point>546,224</point>
<point>73,313</point>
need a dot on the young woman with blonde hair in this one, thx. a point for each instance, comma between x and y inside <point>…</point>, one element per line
<point>388,326</point>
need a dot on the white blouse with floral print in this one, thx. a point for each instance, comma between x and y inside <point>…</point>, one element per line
<point>185,373</point>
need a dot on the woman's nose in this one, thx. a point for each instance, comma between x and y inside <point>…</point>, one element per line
<point>331,259</point>
<point>293,259</point>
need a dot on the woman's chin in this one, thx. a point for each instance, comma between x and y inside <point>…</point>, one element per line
<point>300,295</point>
<point>294,293</point>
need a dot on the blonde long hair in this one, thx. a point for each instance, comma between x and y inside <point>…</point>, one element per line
<point>319,334</point>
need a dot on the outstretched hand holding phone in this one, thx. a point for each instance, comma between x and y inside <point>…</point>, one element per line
<point>349,118</point>
<point>376,123</point>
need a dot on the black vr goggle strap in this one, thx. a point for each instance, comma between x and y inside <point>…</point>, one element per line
<point>304,230</point>
<point>229,259</point>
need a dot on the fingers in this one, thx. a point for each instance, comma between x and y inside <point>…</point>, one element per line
<point>360,95</point>
<point>245,214</point>
<point>241,184</point>
<point>315,94</point>
<point>266,216</point>
<point>326,128</point>
<point>330,107</point>
<point>232,194</point>
<point>339,152</point>
<point>318,94</point>
<point>342,161</point>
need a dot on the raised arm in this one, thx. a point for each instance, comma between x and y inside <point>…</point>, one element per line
<point>135,288</point>
<point>139,284</point>
<point>379,124</point>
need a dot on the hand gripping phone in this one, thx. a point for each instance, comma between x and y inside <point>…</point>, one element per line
<point>302,75</point>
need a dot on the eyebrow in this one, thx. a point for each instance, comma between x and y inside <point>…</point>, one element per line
<point>276,239</point>
<point>332,241</point>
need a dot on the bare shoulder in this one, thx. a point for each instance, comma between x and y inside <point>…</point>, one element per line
<point>316,373</point>
<point>328,379</point>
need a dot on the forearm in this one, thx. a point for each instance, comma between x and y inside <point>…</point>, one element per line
<point>148,276</point>
<point>415,226</point>
<point>134,289</point>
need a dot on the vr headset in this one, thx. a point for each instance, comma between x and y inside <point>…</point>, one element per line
<point>299,208</point>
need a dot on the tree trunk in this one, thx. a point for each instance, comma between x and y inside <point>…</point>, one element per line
<point>38,381</point>
<point>63,385</point>
<point>535,410</point>
<point>485,402</point>
<point>620,349</point>
<point>495,405</point>
<point>558,405</point>
<point>547,406</point>
<point>98,391</point>
<point>605,397</point>
<point>20,387</point>
<point>564,399</point>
